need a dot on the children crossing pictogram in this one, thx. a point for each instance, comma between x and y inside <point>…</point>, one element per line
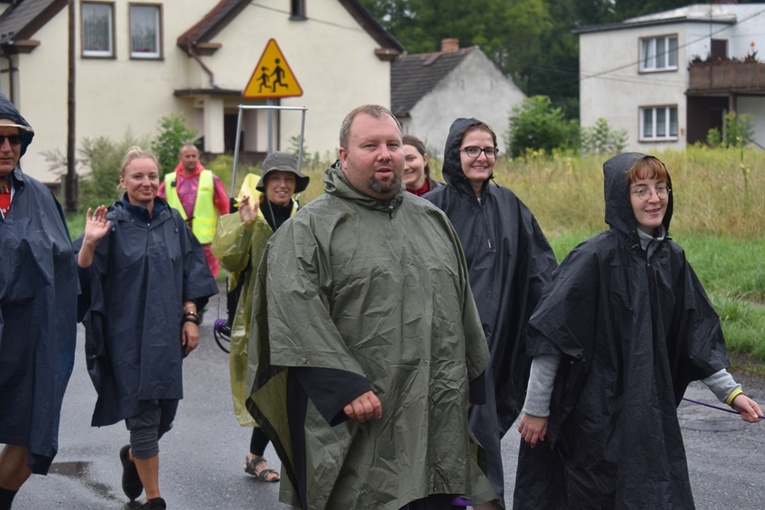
<point>272,77</point>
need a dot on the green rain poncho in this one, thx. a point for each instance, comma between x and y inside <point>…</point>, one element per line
<point>238,246</point>
<point>376,290</point>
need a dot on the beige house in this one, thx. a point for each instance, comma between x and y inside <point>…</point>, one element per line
<point>138,61</point>
<point>667,78</point>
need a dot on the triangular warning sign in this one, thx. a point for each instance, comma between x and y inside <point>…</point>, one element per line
<point>272,77</point>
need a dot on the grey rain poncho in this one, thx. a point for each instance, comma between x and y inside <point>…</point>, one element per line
<point>375,291</point>
<point>633,331</point>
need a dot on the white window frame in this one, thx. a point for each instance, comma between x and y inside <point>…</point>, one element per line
<point>656,123</point>
<point>658,53</point>
<point>142,54</point>
<point>102,53</point>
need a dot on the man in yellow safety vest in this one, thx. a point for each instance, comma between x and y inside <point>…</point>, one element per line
<point>199,196</point>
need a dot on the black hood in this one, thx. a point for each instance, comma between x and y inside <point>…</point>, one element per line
<point>616,190</point>
<point>8,111</point>
<point>452,170</point>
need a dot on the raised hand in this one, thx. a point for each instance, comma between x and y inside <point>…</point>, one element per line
<point>248,212</point>
<point>96,227</point>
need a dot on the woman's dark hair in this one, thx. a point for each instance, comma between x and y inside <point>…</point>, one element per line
<point>417,144</point>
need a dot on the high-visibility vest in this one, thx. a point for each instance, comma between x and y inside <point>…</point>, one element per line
<point>205,215</point>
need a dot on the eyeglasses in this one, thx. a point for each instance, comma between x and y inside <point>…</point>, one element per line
<point>12,139</point>
<point>474,152</point>
<point>644,193</point>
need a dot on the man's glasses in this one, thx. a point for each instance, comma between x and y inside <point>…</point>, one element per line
<point>12,139</point>
<point>644,193</point>
<point>474,152</point>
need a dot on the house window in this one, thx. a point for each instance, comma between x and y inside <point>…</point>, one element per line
<point>297,9</point>
<point>97,29</point>
<point>658,53</point>
<point>145,31</point>
<point>658,123</point>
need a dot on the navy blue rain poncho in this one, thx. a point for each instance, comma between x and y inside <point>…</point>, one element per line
<point>132,302</point>
<point>633,331</point>
<point>509,264</point>
<point>38,314</point>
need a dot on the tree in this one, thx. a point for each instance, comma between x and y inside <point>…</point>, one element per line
<point>536,124</point>
<point>174,134</point>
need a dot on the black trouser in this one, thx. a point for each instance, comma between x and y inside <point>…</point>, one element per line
<point>258,442</point>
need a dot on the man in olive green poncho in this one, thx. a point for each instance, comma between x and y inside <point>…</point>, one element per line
<point>366,347</point>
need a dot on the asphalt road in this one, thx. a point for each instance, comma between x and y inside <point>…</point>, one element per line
<point>202,458</point>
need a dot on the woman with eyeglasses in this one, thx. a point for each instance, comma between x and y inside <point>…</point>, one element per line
<point>38,312</point>
<point>623,329</point>
<point>509,263</point>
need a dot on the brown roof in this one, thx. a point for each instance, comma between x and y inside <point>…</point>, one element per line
<point>201,34</point>
<point>20,21</point>
<point>413,76</point>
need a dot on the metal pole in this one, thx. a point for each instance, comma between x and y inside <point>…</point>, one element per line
<point>236,151</point>
<point>71,198</point>
<point>270,127</point>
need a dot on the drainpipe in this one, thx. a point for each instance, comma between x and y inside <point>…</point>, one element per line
<point>206,69</point>
<point>3,54</point>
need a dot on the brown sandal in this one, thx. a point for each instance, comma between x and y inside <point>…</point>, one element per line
<point>251,467</point>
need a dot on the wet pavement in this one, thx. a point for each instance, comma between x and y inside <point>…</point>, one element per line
<point>202,457</point>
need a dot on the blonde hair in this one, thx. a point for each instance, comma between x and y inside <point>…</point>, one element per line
<point>135,152</point>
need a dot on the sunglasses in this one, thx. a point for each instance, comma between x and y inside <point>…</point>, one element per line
<point>12,139</point>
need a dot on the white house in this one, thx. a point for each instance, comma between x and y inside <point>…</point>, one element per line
<point>667,78</point>
<point>138,61</point>
<point>430,90</point>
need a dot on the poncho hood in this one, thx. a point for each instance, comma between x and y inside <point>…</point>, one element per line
<point>335,183</point>
<point>8,111</point>
<point>616,189</point>
<point>452,170</point>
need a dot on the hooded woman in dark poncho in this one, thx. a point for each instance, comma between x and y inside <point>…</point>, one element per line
<point>509,263</point>
<point>622,331</point>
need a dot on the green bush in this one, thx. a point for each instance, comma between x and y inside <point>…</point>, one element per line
<point>602,139</point>
<point>738,131</point>
<point>174,134</point>
<point>99,164</point>
<point>536,125</point>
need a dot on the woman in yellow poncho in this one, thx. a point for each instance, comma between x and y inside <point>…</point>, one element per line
<point>239,242</point>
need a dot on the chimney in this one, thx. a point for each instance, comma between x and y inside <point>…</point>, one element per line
<point>451,45</point>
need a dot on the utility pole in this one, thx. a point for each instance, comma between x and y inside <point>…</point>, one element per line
<point>71,186</point>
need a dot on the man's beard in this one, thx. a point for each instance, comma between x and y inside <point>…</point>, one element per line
<point>385,188</point>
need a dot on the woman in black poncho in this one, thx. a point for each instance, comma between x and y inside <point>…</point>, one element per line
<point>623,330</point>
